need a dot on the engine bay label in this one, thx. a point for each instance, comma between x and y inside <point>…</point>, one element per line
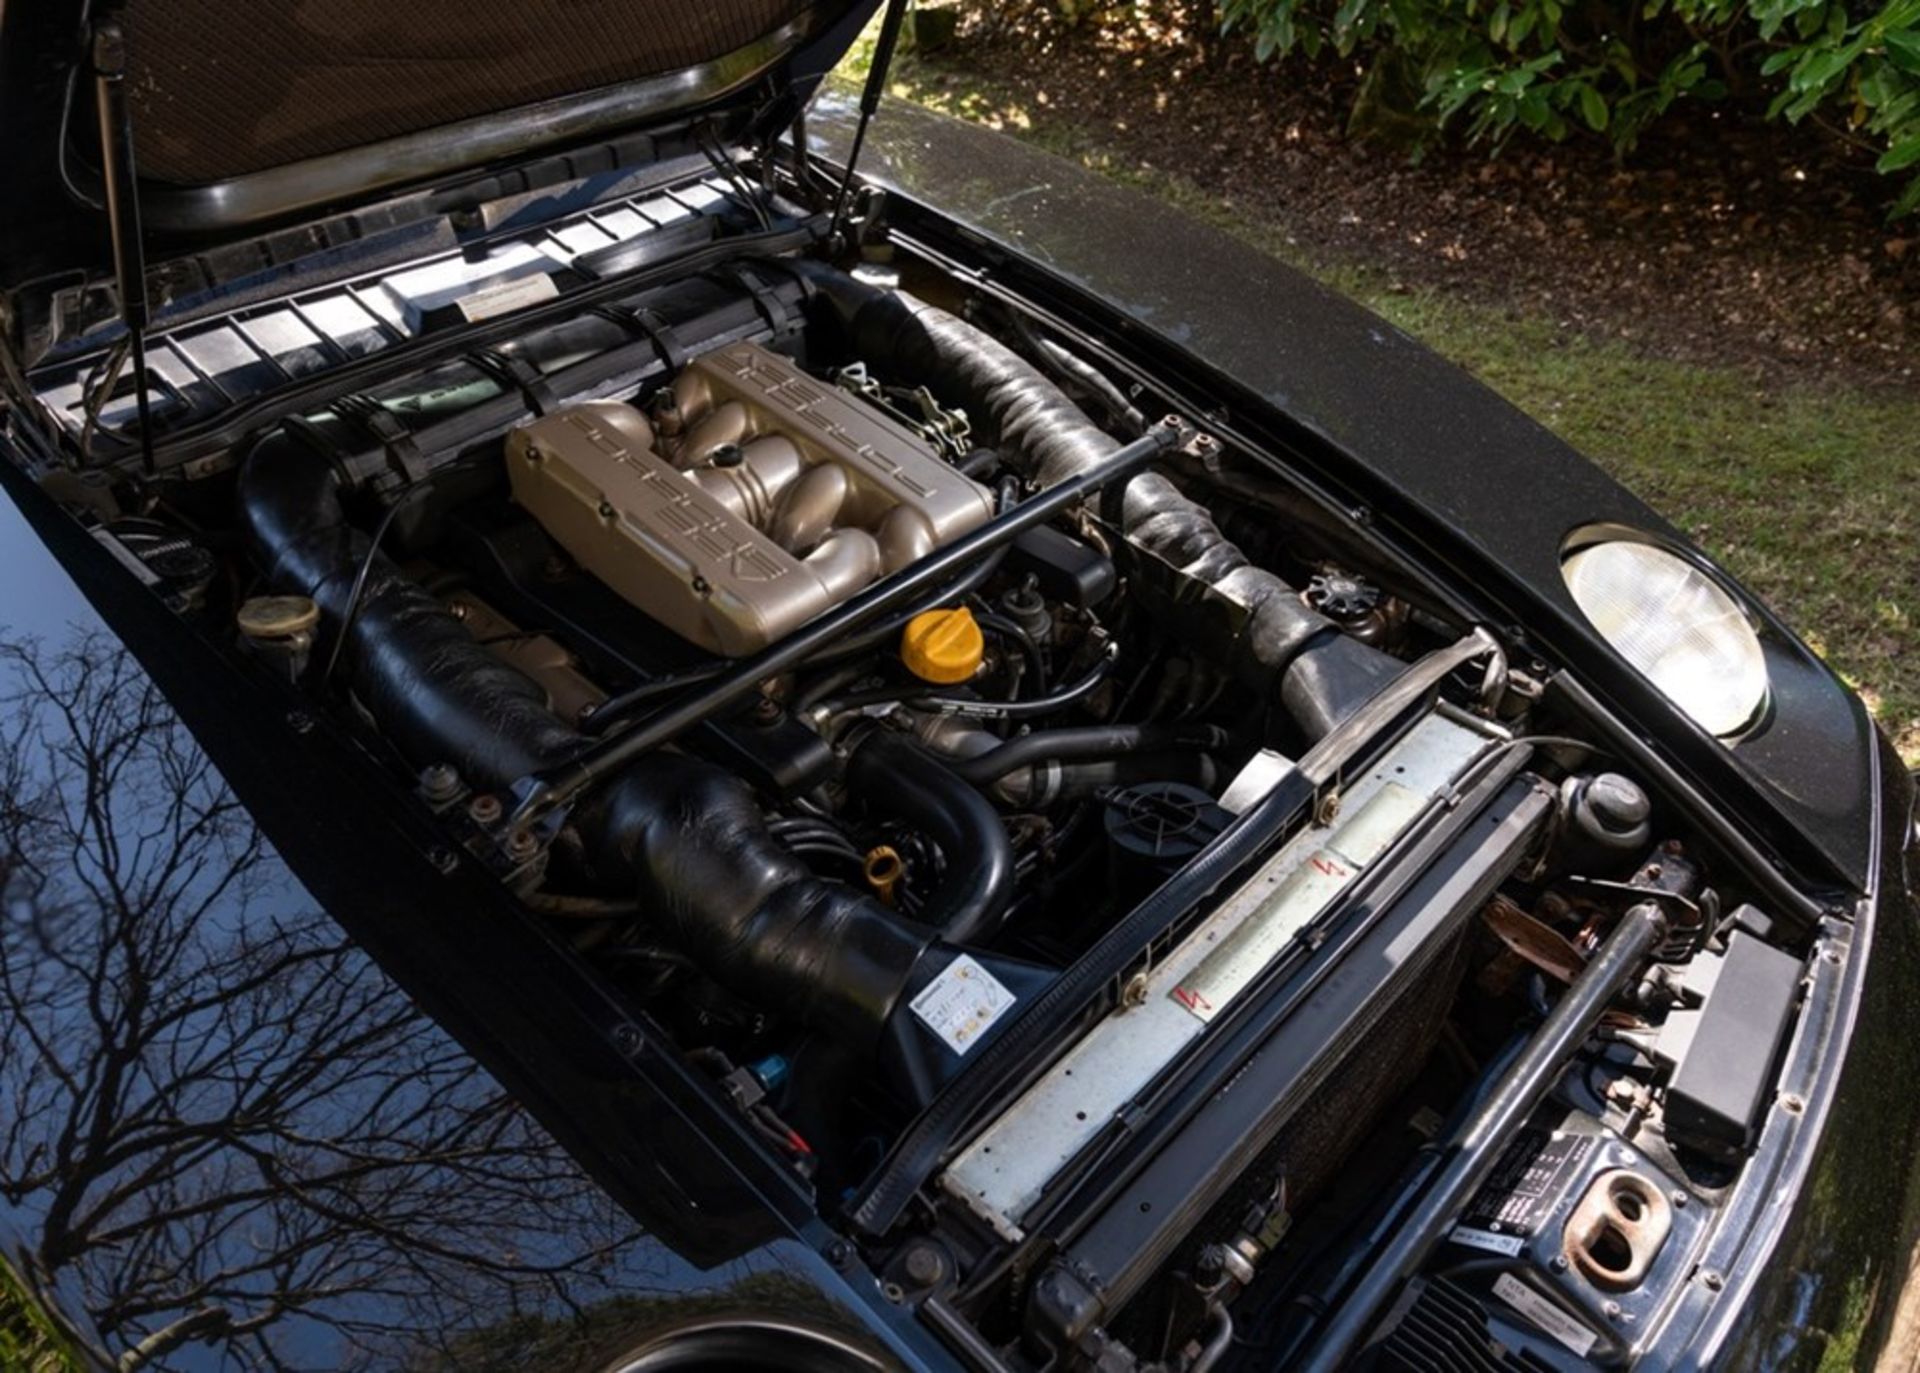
<point>1541,1313</point>
<point>1527,1184</point>
<point>962,1003</point>
<point>1490,1240</point>
<point>493,301</point>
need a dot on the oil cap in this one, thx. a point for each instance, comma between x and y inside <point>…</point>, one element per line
<point>943,646</point>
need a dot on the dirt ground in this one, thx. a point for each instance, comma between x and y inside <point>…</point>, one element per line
<point>1719,241</point>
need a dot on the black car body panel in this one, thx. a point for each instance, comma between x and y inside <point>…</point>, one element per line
<point>256,1123</point>
<point>1453,479</point>
<point>1840,1248</point>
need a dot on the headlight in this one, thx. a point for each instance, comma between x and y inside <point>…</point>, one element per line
<point>1675,624</point>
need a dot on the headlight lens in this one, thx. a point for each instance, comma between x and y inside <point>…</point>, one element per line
<point>1673,623</point>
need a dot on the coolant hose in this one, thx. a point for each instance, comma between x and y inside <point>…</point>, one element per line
<point>1083,744</point>
<point>1198,583</point>
<point>1044,784</point>
<point>901,779</point>
<point>685,835</point>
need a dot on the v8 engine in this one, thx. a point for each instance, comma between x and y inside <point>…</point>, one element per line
<point>758,498</point>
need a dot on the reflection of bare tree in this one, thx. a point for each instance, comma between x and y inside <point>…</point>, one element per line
<point>219,1123</point>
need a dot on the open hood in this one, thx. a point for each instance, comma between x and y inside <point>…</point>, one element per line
<point>242,116</point>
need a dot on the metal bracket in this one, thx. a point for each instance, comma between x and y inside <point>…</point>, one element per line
<point>949,431</point>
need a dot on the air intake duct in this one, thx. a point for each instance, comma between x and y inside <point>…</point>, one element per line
<point>1198,584</point>
<point>686,836</point>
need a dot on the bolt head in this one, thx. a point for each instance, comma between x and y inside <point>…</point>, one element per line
<point>924,1265</point>
<point>439,782</point>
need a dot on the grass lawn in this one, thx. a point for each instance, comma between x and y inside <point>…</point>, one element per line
<point>29,1340</point>
<point>1807,493</point>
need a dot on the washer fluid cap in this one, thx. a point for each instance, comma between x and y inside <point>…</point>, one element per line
<point>277,617</point>
<point>943,646</point>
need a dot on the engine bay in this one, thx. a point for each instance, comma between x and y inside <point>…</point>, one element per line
<point>1107,874</point>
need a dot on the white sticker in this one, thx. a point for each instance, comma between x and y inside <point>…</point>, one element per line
<point>506,298</point>
<point>1543,1313</point>
<point>962,1003</point>
<point>1490,1240</point>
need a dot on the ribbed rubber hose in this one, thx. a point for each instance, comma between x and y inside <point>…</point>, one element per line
<point>1081,744</point>
<point>687,836</point>
<point>1214,598</point>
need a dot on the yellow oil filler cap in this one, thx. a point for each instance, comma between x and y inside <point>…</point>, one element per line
<point>943,646</point>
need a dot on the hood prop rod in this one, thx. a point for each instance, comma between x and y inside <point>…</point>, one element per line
<point>109,54</point>
<point>876,87</point>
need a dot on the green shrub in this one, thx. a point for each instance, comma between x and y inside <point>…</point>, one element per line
<point>1612,67</point>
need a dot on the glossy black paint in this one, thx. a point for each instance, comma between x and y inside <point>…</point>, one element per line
<point>609,1129</point>
<point>302,1061</point>
<point>1424,456</point>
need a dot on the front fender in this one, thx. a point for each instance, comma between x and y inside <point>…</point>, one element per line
<point>1395,437</point>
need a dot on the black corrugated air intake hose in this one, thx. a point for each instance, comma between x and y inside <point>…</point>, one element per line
<point>1195,580</point>
<point>687,835</point>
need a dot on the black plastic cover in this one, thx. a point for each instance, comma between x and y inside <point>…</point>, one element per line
<point>1062,567</point>
<point>1721,1082</point>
